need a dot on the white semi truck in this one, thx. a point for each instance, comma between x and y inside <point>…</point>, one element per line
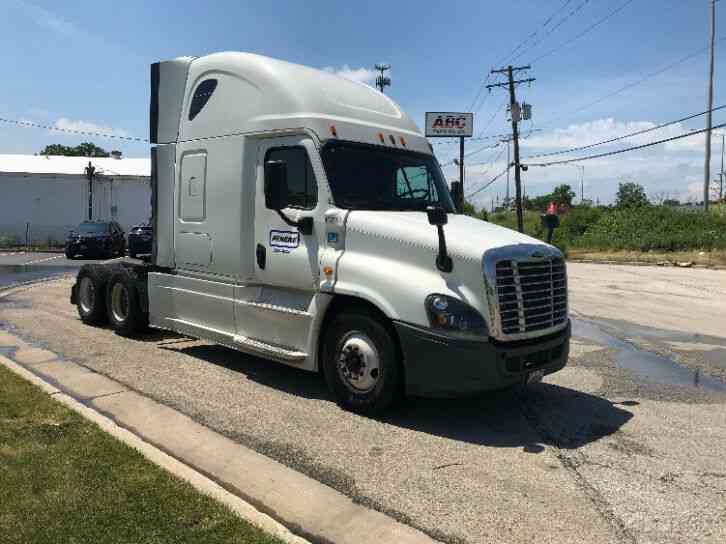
<point>302,217</point>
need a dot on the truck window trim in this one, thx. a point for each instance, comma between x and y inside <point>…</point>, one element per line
<point>309,164</point>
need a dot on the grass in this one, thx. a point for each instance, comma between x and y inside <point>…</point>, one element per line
<point>63,480</point>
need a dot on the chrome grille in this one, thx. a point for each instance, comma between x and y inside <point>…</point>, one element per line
<point>531,295</point>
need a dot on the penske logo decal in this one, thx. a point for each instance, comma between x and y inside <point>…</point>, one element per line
<point>284,239</point>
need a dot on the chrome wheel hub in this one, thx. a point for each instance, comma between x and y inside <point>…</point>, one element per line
<point>120,302</point>
<point>87,295</point>
<point>358,363</point>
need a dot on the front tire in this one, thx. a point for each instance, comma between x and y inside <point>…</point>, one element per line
<point>123,302</point>
<point>361,364</point>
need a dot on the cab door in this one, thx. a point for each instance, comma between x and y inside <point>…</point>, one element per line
<point>276,308</point>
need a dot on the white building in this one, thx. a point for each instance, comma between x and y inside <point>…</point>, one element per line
<point>45,197</point>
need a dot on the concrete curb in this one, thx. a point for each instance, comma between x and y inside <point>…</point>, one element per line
<point>158,457</point>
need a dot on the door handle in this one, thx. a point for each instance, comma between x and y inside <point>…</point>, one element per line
<point>261,254</point>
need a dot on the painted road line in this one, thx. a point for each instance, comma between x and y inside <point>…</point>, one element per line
<point>43,260</point>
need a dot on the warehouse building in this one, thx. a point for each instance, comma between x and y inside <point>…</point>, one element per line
<point>42,198</point>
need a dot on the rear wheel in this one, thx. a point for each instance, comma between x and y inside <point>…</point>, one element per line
<point>91,300</point>
<point>360,362</point>
<point>123,301</point>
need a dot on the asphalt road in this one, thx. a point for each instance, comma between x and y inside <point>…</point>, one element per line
<point>624,445</point>
<point>19,266</point>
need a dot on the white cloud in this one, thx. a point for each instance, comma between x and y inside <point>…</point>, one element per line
<point>71,125</point>
<point>361,75</point>
<point>47,18</point>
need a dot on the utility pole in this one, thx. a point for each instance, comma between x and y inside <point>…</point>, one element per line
<point>722,174</point>
<point>515,112</point>
<point>90,170</point>
<point>509,160</point>
<point>707,169</point>
<point>383,81</point>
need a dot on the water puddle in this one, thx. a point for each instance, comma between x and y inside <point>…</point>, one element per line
<point>651,367</point>
<point>17,273</point>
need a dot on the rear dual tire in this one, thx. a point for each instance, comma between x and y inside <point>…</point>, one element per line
<point>123,302</point>
<point>91,295</point>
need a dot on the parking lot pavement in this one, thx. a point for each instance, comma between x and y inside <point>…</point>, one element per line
<point>19,267</point>
<point>603,451</point>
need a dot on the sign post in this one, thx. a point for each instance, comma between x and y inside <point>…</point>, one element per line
<point>447,125</point>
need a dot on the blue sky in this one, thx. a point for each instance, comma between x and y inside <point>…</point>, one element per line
<point>85,65</point>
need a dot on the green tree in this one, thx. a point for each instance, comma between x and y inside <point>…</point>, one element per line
<point>563,195</point>
<point>85,149</point>
<point>631,195</point>
<point>469,208</point>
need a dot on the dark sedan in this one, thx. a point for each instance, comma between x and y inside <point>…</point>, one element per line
<point>102,239</point>
<point>139,240</point>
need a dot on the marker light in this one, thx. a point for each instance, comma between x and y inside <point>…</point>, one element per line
<point>333,131</point>
<point>381,138</point>
<point>327,270</point>
<point>403,141</point>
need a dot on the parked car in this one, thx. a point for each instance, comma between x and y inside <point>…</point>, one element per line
<point>101,239</point>
<point>139,240</point>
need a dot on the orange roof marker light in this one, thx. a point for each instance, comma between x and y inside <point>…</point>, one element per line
<point>333,131</point>
<point>381,138</point>
<point>403,141</point>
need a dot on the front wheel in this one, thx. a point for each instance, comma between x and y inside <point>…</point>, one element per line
<point>360,363</point>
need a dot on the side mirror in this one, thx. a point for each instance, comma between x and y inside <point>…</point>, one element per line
<point>276,196</point>
<point>456,195</point>
<point>437,216</point>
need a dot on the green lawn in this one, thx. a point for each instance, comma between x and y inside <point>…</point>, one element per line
<point>62,479</point>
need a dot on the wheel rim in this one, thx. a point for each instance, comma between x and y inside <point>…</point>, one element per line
<point>358,361</point>
<point>88,295</point>
<point>119,302</point>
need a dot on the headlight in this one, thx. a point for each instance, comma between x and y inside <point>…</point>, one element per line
<point>452,316</point>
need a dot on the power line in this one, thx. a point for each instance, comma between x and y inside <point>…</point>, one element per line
<point>28,124</point>
<point>586,31</point>
<point>635,83</point>
<point>477,139</point>
<point>633,148</point>
<point>562,21</point>
<point>495,178</point>
<point>534,33</point>
<point>623,137</point>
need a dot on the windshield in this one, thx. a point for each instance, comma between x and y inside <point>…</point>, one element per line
<point>364,177</point>
<point>92,228</point>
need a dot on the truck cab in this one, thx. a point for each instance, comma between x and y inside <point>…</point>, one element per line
<point>303,217</point>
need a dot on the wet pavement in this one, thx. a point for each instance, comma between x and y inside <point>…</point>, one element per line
<point>22,267</point>
<point>649,367</point>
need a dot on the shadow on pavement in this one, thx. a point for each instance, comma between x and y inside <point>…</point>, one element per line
<point>546,415</point>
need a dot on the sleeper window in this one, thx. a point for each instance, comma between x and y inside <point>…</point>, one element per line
<point>201,96</point>
<point>301,185</point>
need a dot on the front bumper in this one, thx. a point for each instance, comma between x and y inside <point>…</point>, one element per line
<point>440,366</point>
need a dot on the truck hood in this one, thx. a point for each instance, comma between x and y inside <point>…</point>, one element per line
<point>466,237</point>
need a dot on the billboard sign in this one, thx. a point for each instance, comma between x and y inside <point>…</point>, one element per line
<point>449,124</point>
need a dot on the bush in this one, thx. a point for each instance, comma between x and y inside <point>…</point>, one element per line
<point>648,228</point>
